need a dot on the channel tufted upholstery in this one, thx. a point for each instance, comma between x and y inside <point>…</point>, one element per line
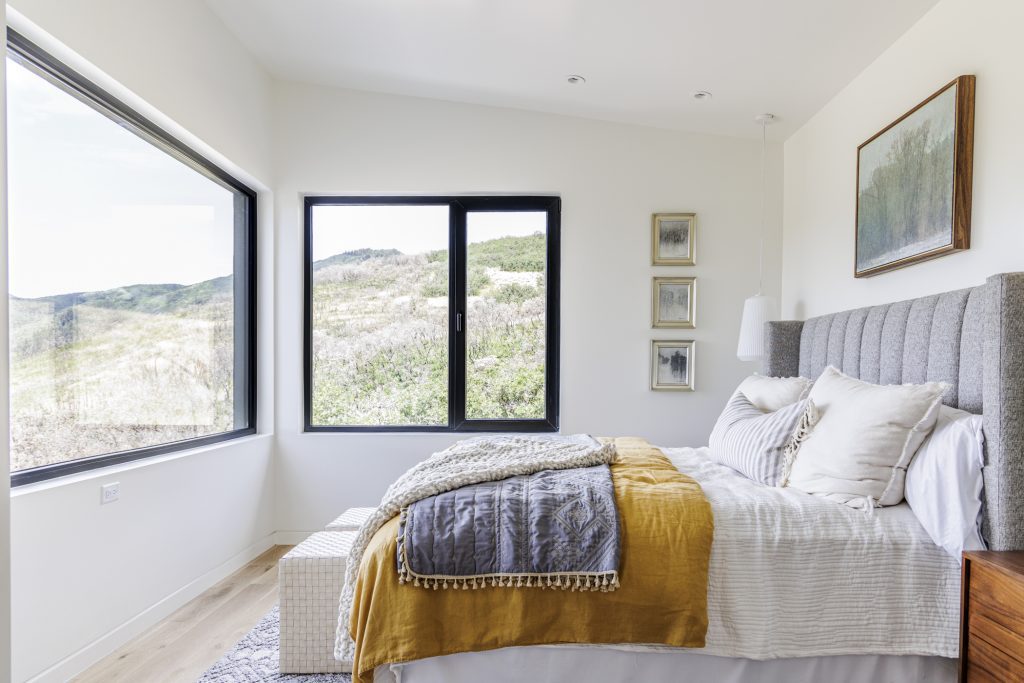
<point>972,339</point>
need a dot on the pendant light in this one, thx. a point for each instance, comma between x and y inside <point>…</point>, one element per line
<point>759,309</point>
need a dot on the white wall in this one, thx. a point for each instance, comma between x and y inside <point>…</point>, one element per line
<point>87,577</point>
<point>178,58</point>
<point>82,573</point>
<point>980,37</point>
<point>5,461</point>
<point>611,178</point>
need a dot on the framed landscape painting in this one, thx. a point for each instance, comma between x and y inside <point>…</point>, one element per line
<point>914,183</point>
<point>674,239</point>
<point>672,365</point>
<point>673,302</point>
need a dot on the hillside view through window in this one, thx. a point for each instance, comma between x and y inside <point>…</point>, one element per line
<point>122,291</point>
<point>381,309</point>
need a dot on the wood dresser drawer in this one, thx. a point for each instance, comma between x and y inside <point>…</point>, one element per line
<point>988,663</point>
<point>981,627</point>
<point>992,618</point>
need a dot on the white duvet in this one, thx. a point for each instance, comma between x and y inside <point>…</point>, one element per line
<point>794,575</point>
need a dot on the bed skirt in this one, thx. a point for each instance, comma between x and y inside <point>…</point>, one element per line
<point>547,664</point>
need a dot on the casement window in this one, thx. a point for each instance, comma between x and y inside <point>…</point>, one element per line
<point>132,281</point>
<point>431,313</point>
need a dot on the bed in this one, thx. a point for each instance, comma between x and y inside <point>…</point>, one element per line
<point>803,589</point>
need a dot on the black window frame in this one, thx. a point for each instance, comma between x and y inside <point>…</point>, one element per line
<point>459,206</point>
<point>30,55</point>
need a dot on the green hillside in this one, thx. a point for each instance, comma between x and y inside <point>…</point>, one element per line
<point>380,343</point>
<point>510,254</point>
<point>98,372</point>
<point>351,257</point>
<point>160,298</point>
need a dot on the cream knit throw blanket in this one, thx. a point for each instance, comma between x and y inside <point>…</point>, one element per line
<point>488,458</point>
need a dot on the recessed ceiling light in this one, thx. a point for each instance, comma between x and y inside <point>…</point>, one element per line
<point>576,79</point>
<point>701,95</point>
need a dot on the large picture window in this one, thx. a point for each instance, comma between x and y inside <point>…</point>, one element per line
<point>131,281</point>
<point>431,313</point>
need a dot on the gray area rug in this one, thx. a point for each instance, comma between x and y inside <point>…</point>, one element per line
<point>254,659</point>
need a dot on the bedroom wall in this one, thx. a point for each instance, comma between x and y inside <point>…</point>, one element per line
<point>611,178</point>
<point>88,578</point>
<point>956,37</point>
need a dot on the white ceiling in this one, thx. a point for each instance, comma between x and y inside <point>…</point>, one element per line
<point>642,58</point>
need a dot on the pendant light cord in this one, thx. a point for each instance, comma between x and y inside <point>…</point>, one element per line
<point>760,263</point>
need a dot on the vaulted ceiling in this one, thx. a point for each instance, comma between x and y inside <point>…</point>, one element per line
<point>642,59</point>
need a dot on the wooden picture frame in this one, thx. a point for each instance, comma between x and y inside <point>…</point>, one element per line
<point>674,302</point>
<point>672,364</point>
<point>674,239</point>
<point>914,184</point>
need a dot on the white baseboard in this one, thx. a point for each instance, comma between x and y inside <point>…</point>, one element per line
<point>79,661</point>
<point>292,537</point>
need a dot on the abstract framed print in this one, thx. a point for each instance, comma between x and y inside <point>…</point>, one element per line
<point>672,365</point>
<point>674,239</point>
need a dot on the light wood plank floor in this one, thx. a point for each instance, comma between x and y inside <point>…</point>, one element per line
<point>185,644</point>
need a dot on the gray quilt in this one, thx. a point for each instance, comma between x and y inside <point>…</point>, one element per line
<point>554,528</point>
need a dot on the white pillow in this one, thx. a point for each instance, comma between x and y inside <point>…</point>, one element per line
<point>752,442</point>
<point>858,450</point>
<point>772,393</point>
<point>944,482</point>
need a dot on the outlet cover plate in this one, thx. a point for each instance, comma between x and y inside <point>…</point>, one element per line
<point>110,493</point>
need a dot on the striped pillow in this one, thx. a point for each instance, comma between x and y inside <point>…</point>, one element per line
<point>752,442</point>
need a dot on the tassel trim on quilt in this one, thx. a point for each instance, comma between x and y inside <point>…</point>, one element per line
<point>567,581</point>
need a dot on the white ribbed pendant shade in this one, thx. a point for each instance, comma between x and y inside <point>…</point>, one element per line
<point>757,310</point>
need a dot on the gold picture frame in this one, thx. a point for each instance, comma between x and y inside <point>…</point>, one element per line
<point>674,302</point>
<point>674,239</point>
<point>672,364</point>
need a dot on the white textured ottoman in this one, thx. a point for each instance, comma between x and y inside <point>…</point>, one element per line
<point>311,576</point>
<point>351,519</point>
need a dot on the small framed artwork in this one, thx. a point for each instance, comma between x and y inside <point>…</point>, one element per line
<point>674,302</point>
<point>674,239</point>
<point>914,183</point>
<point>672,365</point>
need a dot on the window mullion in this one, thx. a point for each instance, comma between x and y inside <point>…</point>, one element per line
<point>552,294</point>
<point>457,309</point>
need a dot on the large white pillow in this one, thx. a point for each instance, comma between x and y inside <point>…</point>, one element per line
<point>752,442</point>
<point>772,393</point>
<point>858,450</point>
<point>944,482</point>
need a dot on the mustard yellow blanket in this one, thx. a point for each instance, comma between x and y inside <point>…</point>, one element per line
<point>667,530</point>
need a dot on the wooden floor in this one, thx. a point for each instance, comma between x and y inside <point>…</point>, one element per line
<point>185,644</point>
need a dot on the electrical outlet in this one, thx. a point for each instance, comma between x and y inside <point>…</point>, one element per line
<point>110,492</point>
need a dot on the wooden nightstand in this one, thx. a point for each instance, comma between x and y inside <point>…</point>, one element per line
<point>992,618</point>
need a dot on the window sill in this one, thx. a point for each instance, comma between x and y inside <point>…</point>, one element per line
<point>426,431</point>
<point>118,468</point>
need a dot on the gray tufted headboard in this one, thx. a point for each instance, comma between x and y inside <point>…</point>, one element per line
<point>971,338</point>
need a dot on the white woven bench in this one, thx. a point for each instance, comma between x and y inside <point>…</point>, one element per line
<point>350,520</point>
<point>311,576</point>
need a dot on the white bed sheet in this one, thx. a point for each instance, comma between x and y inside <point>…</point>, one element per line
<point>793,578</point>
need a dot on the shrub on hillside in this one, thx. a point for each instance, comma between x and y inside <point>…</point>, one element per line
<point>513,293</point>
